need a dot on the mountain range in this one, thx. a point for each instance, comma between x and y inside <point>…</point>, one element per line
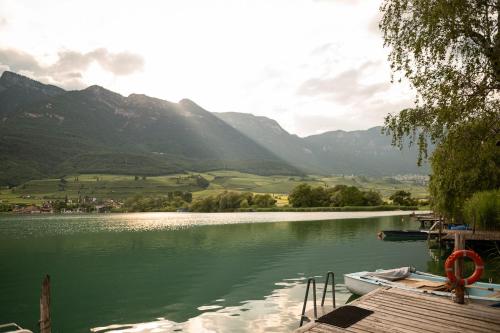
<point>46,131</point>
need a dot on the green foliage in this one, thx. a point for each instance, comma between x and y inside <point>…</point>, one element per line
<point>263,201</point>
<point>403,198</point>
<point>483,210</point>
<point>5,208</point>
<point>331,209</point>
<point>94,130</point>
<point>229,201</point>
<point>304,195</point>
<point>462,166</point>
<point>450,53</point>
<point>171,202</point>
<point>301,196</point>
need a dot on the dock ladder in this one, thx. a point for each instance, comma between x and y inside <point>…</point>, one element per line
<point>312,280</point>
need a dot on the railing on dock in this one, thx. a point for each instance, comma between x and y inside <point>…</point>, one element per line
<point>303,316</point>
<point>326,287</point>
<point>312,281</point>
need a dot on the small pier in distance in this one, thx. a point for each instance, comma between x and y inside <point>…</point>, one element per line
<point>469,235</point>
<point>396,310</point>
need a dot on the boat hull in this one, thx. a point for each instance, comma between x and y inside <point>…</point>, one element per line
<point>404,235</point>
<point>358,287</point>
<point>478,293</point>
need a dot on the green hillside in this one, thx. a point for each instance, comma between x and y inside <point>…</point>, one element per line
<point>120,187</point>
<point>47,132</point>
<point>54,132</point>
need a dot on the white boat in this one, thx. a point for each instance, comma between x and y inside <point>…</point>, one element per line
<point>361,283</point>
<point>13,328</point>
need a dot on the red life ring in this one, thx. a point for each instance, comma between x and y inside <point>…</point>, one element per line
<point>478,262</point>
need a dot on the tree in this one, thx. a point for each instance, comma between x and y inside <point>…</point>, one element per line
<point>264,200</point>
<point>372,198</point>
<point>301,196</point>
<point>450,53</point>
<point>403,198</point>
<point>483,210</point>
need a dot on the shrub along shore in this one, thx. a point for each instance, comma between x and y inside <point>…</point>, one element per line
<point>303,198</point>
<point>330,209</point>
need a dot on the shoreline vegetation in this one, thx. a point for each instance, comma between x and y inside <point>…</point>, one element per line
<point>303,198</point>
<point>385,208</point>
<point>218,190</point>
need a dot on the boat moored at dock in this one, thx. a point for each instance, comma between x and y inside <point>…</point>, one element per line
<point>361,283</point>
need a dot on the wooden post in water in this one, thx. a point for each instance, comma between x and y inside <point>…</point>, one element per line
<point>440,230</point>
<point>459,267</point>
<point>45,325</point>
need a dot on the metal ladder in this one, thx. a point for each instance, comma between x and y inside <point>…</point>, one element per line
<point>303,316</point>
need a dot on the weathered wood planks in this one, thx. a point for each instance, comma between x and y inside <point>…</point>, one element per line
<point>400,311</point>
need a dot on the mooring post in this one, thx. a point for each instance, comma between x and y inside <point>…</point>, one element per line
<point>45,325</point>
<point>459,267</point>
<point>440,230</point>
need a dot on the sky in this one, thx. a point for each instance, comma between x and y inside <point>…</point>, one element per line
<point>312,65</point>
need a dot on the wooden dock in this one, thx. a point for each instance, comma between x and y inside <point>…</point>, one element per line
<point>399,311</point>
<point>477,235</point>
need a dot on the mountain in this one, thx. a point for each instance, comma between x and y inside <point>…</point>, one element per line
<point>358,152</point>
<point>48,132</point>
<point>366,152</point>
<point>268,133</point>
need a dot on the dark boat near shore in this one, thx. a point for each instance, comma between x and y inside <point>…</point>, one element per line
<point>403,235</point>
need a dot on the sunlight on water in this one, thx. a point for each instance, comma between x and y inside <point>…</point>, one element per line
<point>171,272</point>
<point>68,224</point>
<point>277,312</point>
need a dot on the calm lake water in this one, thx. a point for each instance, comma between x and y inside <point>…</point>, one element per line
<point>170,272</point>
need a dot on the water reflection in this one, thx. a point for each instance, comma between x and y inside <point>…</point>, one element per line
<point>196,274</point>
<point>277,312</point>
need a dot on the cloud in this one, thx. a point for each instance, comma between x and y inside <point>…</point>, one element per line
<point>68,70</point>
<point>19,61</point>
<point>3,22</point>
<point>346,87</point>
<point>346,2</point>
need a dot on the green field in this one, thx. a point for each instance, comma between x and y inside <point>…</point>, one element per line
<point>120,187</point>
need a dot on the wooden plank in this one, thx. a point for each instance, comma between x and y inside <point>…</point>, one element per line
<point>44,323</point>
<point>426,322</point>
<point>441,305</point>
<point>421,316</point>
<point>408,319</point>
<point>442,310</point>
<point>306,328</point>
<point>426,297</point>
<point>324,328</point>
<point>386,323</point>
<point>429,319</point>
<point>400,311</point>
<point>459,267</point>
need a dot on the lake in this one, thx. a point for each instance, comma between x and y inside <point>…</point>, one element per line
<point>166,272</point>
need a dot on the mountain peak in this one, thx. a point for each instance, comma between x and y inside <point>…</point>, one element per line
<point>187,102</point>
<point>99,91</point>
<point>11,79</point>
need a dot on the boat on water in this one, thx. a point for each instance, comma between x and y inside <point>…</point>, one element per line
<point>403,235</point>
<point>406,278</point>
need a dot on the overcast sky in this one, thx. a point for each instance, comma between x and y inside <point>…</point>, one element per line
<point>312,65</point>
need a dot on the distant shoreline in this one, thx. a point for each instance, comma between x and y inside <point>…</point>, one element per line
<point>302,215</point>
<point>379,212</point>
